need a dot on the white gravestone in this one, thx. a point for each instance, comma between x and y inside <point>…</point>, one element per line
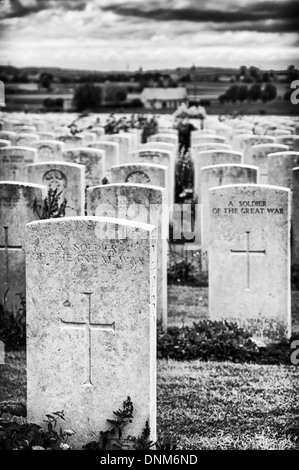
<point>290,140</point>
<point>14,162</point>
<point>17,208</point>
<point>67,178</point>
<point>160,157</point>
<point>258,156</point>
<point>48,150</point>
<point>249,259</point>
<point>280,165</point>
<point>8,135</point>
<point>5,143</point>
<point>91,322</point>
<point>138,203</point>
<point>212,157</point>
<point>111,153</point>
<point>140,173</point>
<point>25,139</point>
<point>295,217</point>
<point>219,175</point>
<point>93,161</point>
<point>247,143</point>
<point>125,144</point>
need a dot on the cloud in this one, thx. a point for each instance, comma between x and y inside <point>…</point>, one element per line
<point>107,34</point>
<point>283,14</point>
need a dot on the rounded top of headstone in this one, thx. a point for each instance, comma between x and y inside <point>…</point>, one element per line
<point>137,164</point>
<point>229,165</point>
<point>252,186</point>
<point>22,183</point>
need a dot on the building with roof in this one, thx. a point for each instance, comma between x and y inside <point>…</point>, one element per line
<point>163,98</point>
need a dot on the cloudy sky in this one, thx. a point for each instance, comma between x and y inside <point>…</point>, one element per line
<point>128,34</point>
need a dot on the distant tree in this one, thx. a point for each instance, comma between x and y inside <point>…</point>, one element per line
<point>222,98</point>
<point>48,103</point>
<point>242,93</point>
<point>87,96</point>
<point>45,80</point>
<point>232,93</point>
<point>293,73</point>
<point>271,91</point>
<point>255,92</point>
<point>59,102</point>
<point>116,94</point>
<point>287,95</point>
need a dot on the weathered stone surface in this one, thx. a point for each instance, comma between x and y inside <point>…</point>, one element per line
<point>67,178</point>
<point>280,165</point>
<point>212,157</point>
<point>220,175</point>
<point>91,322</point>
<point>290,140</point>
<point>258,156</point>
<point>160,157</point>
<point>93,161</point>
<point>25,139</point>
<point>138,203</point>
<point>111,150</point>
<point>17,203</point>
<point>14,162</point>
<point>249,258</point>
<point>141,173</point>
<point>125,144</point>
<point>48,150</point>
<point>5,143</point>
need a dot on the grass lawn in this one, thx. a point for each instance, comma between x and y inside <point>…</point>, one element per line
<point>207,405</point>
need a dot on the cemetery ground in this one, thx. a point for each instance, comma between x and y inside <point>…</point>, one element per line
<point>208,405</point>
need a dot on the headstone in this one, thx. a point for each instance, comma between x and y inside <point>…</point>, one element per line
<point>14,162</point>
<point>219,175</point>
<point>212,157</point>
<point>92,159</point>
<point>98,131</point>
<point>140,173</point>
<point>70,141</point>
<point>91,322</point>
<point>280,165</point>
<point>45,135</point>
<point>25,139</point>
<point>290,140</point>
<point>17,208</point>
<point>67,178</point>
<point>27,129</point>
<point>249,259</point>
<point>48,150</point>
<point>111,152</point>
<point>168,138</point>
<point>208,146</point>
<point>207,139</point>
<point>8,135</point>
<point>295,217</point>
<point>5,143</point>
<point>258,155</point>
<point>125,145</point>
<point>160,157</point>
<point>138,203</point>
<point>248,142</point>
<point>158,145</point>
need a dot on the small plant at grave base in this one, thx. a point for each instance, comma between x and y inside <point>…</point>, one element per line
<point>112,439</point>
<point>13,325</point>
<point>29,436</point>
<point>52,207</point>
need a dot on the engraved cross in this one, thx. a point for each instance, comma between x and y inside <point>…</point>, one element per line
<point>248,253</point>
<point>88,326</point>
